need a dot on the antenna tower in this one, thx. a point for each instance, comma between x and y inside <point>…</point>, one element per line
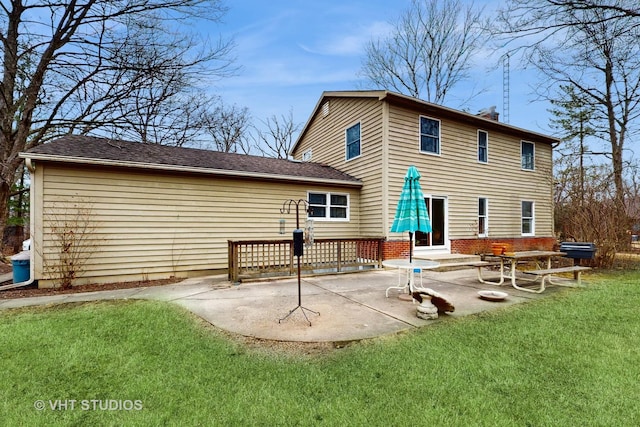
<point>505,88</point>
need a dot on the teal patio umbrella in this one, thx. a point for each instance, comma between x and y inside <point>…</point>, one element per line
<point>411,214</point>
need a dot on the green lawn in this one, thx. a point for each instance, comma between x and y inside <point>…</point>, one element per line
<point>570,359</point>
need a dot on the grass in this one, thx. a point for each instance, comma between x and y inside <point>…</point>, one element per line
<point>570,359</point>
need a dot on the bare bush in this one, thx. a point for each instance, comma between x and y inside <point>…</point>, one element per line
<point>594,216</point>
<point>72,232</point>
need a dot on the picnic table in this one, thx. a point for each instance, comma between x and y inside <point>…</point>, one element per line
<point>542,273</point>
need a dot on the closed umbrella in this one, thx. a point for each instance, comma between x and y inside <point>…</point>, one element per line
<point>411,214</point>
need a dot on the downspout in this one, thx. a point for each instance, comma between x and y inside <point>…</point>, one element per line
<point>31,167</point>
<point>385,169</point>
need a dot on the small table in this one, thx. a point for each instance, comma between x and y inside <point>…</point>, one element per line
<point>513,259</point>
<point>410,268</point>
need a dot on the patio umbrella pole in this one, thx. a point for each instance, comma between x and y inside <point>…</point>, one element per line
<point>298,252</point>
<point>410,246</point>
<point>410,279</point>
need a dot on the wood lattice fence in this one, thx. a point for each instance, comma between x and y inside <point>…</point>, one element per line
<point>265,258</point>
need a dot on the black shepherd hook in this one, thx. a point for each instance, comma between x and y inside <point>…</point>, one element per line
<point>286,208</point>
<point>298,252</point>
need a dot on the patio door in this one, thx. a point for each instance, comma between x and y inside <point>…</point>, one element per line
<point>437,239</point>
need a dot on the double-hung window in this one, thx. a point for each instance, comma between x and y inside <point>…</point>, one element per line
<point>328,206</point>
<point>483,223</point>
<point>528,218</point>
<point>429,135</point>
<point>352,137</point>
<point>527,150</point>
<point>483,146</point>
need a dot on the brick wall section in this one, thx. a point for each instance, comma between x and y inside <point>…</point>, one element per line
<point>478,246</point>
<point>394,249</point>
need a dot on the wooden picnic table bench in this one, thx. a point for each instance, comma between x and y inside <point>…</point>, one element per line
<point>546,274</point>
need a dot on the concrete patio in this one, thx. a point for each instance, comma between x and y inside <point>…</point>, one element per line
<point>351,306</point>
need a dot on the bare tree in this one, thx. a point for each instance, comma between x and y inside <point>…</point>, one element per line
<point>76,66</point>
<point>534,20</point>
<point>160,117</point>
<point>228,127</point>
<point>429,51</point>
<point>277,139</point>
<point>167,103</point>
<point>594,50</point>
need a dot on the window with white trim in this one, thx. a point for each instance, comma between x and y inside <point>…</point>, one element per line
<point>352,137</point>
<point>483,146</point>
<point>483,218</point>
<point>527,151</point>
<point>429,135</point>
<point>328,206</point>
<point>528,218</point>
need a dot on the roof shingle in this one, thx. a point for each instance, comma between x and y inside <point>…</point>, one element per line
<point>126,153</point>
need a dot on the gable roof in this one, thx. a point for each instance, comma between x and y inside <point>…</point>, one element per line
<point>425,107</point>
<point>108,152</point>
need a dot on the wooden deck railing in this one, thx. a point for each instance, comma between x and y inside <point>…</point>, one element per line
<point>263,258</point>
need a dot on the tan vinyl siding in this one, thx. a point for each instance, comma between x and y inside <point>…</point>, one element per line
<point>457,175</point>
<point>152,225</point>
<point>326,136</point>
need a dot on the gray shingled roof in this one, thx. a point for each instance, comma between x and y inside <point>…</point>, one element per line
<point>77,149</point>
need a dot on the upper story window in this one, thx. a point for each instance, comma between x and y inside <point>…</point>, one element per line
<point>307,155</point>
<point>352,136</point>
<point>527,152</point>
<point>483,146</point>
<point>528,218</point>
<point>429,135</point>
<point>328,206</point>
<point>483,218</point>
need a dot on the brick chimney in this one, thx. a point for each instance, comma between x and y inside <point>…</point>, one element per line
<point>489,113</point>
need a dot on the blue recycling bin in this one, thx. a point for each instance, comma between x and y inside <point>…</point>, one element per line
<point>21,263</point>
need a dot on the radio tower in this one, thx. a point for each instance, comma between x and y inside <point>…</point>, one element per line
<point>505,88</point>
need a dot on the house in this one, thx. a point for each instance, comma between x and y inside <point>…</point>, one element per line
<point>151,212</point>
<point>484,181</point>
<point>147,212</point>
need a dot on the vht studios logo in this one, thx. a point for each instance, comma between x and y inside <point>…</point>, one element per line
<point>88,405</point>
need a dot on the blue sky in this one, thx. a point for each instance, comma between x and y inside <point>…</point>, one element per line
<point>291,51</point>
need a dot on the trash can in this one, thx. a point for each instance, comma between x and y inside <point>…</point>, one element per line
<point>20,263</point>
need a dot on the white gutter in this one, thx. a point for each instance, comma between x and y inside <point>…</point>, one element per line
<point>31,227</point>
<point>192,169</point>
<point>31,274</point>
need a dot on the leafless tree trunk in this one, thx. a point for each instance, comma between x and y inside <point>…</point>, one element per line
<point>81,66</point>
<point>429,51</point>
